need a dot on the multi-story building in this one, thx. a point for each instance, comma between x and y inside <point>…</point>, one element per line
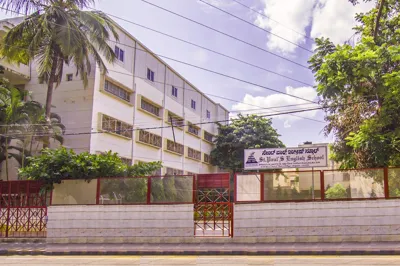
<point>130,109</point>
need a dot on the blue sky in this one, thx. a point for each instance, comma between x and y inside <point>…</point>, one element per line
<point>313,18</point>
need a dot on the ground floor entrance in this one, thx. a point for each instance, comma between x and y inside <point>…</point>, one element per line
<point>213,209</point>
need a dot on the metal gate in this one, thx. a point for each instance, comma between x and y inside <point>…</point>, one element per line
<point>22,209</point>
<point>213,210</point>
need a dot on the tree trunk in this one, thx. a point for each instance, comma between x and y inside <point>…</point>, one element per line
<point>378,17</point>
<point>7,154</point>
<point>30,148</point>
<point>49,98</point>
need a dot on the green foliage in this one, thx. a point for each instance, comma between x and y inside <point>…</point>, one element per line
<point>157,190</point>
<point>360,87</point>
<point>336,192</point>
<point>22,120</point>
<point>52,166</point>
<point>58,33</point>
<point>172,189</point>
<point>133,190</point>
<point>245,132</point>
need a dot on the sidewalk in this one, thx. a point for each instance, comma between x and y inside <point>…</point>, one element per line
<point>382,248</point>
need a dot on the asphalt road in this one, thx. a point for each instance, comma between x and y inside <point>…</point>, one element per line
<point>201,260</point>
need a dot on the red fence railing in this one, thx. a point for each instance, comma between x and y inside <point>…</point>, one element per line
<point>295,186</point>
<point>177,189</point>
<point>23,209</point>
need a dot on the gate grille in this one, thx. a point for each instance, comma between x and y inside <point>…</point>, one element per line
<point>213,211</point>
<point>22,209</point>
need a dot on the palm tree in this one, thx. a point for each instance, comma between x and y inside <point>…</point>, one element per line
<point>40,129</point>
<point>23,122</point>
<point>58,32</point>
<point>12,114</point>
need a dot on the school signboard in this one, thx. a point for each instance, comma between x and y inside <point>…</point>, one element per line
<point>277,158</point>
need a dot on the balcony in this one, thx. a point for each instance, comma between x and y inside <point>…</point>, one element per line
<point>17,75</point>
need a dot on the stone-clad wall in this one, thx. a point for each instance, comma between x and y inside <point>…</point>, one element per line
<point>335,221</point>
<point>120,223</point>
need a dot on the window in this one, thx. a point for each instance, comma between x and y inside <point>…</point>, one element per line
<point>193,104</point>
<point>207,158</point>
<point>150,75</point>
<point>208,114</point>
<point>151,108</point>
<point>174,91</point>
<point>193,129</point>
<point>126,161</point>
<point>208,136</point>
<point>117,91</point>
<point>156,172</point>
<point>176,120</point>
<point>119,53</point>
<point>116,126</point>
<point>69,77</point>
<point>172,171</point>
<point>194,154</point>
<point>175,147</point>
<point>150,138</point>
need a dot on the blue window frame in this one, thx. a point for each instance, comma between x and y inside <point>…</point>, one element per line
<point>150,75</point>
<point>119,53</point>
<point>193,104</point>
<point>174,91</point>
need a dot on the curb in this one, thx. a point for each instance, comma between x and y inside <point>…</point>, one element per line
<point>42,252</point>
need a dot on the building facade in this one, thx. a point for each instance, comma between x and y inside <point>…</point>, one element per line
<point>130,109</point>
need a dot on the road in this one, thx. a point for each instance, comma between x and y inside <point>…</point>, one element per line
<point>201,260</point>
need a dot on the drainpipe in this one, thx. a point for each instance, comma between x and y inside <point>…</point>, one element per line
<point>163,117</point>
<point>134,101</point>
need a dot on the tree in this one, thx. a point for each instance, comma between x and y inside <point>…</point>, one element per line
<point>360,88</point>
<point>40,130</point>
<point>245,132</point>
<point>12,114</point>
<point>55,33</point>
<point>17,117</point>
<point>336,192</point>
<point>23,121</point>
<point>53,166</point>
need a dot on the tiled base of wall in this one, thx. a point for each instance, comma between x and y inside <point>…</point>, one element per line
<point>309,222</point>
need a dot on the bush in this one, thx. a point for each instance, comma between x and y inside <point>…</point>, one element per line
<point>336,192</point>
<point>52,166</point>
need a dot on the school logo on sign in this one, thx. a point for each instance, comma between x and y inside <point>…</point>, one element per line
<point>251,160</point>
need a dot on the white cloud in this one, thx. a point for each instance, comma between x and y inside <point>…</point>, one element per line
<point>329,18</point>
<point>334,20</point>
<point>279,100</point>
<point>295,15</point>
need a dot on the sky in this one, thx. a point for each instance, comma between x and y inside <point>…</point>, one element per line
<point>284,24</point>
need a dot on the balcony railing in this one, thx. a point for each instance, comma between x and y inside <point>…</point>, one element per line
<point>175,147</point>
<point>194,154</point>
